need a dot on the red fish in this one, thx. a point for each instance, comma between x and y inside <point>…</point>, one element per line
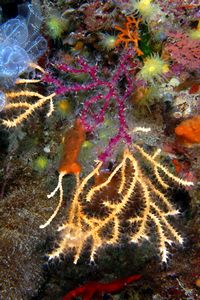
<point>90,289</point>
<point>194,88</point>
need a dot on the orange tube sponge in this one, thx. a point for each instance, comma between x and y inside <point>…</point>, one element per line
<point>188,131</point>
<point>73,141</point>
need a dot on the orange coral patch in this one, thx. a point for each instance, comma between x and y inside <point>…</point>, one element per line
<point>73,141</point>
<point>129,34</point>
<point>188,131</point>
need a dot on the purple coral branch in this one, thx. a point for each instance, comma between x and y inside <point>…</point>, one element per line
<point>85,68</point>
<point>107,90</point>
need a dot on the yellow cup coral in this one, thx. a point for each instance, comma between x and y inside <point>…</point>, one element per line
<point>146,8</point>
<point>108,42</point>
<point>64,107</point>
<point>154,68</point>
<point>40,163</point>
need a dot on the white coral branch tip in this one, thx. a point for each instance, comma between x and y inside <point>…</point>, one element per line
<point>141,129</point>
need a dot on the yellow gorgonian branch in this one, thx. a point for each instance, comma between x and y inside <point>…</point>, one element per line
<point>126,201</point>
<point>24,108</point>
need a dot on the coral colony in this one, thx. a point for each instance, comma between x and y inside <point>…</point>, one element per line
<point>104,226</point>
<point>129,198</point>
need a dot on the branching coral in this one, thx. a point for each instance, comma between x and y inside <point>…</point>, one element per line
<point>105,91</point>
<point>28,108</point>
<point>129,34</point>
<point>122,197</point>
<point>102,211</point>
<point>105,207</point>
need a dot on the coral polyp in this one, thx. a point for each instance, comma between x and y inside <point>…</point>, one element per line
<point>107,41</point>
<point>56,25</point>
<point>146,8</point>
<point>154,69</point>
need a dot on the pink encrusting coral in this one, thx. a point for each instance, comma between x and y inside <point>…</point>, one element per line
<point>106,91</point>
<point>184,50</point>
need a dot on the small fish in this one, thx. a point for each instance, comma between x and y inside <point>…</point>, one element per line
<point>90,289</point>
<point>195,88</point>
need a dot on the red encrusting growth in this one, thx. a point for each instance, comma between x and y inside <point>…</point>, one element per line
<point>90,289</point>
<point>177,165</point>
<point>73,141</point>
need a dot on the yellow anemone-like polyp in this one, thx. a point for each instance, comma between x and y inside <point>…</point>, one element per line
<point>154,68</point>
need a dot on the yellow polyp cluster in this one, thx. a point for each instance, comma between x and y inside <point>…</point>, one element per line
<point>56,26</point>
<point>40,163</point>
<point>107,41</point>
<point>146,8</point>
<point>64,107</point>
<point>154,68</point>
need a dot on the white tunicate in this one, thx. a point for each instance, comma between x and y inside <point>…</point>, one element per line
<point>15,30</point>
<point>2,100</point>
<point>20,44</point>
<point>34,20</point>
<point>36,49</point>
<point>13,60</point>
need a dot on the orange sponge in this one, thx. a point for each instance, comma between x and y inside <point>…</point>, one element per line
<point>73,141</point>
<point>188,131</point>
